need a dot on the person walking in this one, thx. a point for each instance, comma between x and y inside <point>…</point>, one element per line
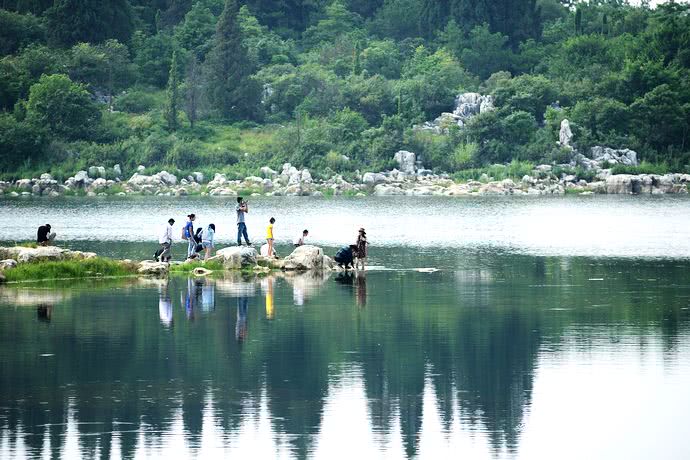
<point>300,241</point>
<point>207,240</point>
<point>188,234</point>
<point>163,254</point>
<point>242,209</point>
<point>361,244</point>
<point>269,236</point>
<point>44,237</point>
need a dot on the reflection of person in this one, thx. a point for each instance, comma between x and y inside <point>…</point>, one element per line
<point>345,256</point>
<point>163,253</point>
<point>269,236</point>
<point>165,311</point>
<point>208,296</point>
<point>242,209</point>
<point>361,289</point>
<point>188,234</point>
<point>44,237</point>
<point>241,324</point>
<point>207,240</point>
<point>44,312</point>
<point>269,299</point>
<point>192,298</point>
<point>300,241</point>
<point>361,249</point>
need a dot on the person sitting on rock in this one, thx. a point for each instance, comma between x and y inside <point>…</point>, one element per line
<point>345,256</point>
<point>44,236</point>
<point>300,241</point>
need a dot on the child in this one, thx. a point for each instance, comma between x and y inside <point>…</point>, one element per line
<point>207,240</point>
<point>269,236</point>
<point>361,248</point>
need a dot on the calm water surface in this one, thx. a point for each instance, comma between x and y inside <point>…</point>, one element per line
<point>541,335</point>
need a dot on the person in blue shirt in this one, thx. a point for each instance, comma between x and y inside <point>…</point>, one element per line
<point>188,234</point>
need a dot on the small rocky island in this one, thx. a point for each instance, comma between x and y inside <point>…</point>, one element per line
<point>59,263</point>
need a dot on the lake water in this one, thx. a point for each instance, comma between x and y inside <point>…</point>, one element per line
<point>486,328</point>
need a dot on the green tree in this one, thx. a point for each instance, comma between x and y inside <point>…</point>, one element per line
<point>660,119</point>
<point>152,56</point>
<point>20,143</point>
<point>486,53</point>
<point>18,30</point>
<point>63,107</point>
<point>75,21</point>
<point>232,90</point>
<point>172,96</point>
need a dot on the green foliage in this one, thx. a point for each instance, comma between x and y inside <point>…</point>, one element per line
<point>20,143</point>
<point>64,108</point>
<point>172,96</point>
<point>19,30</point>
<point>94,21</point>
<point>68,269</point>
<point>137,101</point>
<point>232,90</point>
<point>188,267</point>
<point>643,168</point>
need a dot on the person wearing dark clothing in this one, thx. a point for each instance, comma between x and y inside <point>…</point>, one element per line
<point>345,256</point>
<point>44,237</point>
<point>242,209</point>
<point>361,252</point>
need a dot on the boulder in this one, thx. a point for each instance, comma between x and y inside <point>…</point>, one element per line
<point>41,253</point>
<point>149,267</point>
<point>141,169</point>
<point>565,136</point>
<point>268,172</point>
<point>7,263</point>
<point>605,154</point>
<point>166,178</point>
<point>622,184</point>
<point>406,161</point>
<point>117,170</point>
<point>371,179</point>
<point>305,257</point>
<point>45,177</point>
<point>198,177</point>
<point>387,190</point>
<point>237,257</point>
<point>306,176</point>
<point>81,178</point>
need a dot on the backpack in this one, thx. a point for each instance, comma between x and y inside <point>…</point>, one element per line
<point>184,234</point>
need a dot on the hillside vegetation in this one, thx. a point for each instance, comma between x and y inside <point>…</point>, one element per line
<point>335,85</point>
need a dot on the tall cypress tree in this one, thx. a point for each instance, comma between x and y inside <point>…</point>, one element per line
<point>172,96</point>
<point>92,21</point>
<point>232,91</point>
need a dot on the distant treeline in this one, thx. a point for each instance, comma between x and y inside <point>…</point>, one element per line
<point>335,85</point>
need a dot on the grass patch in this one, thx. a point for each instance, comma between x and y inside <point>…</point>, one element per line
<point>187,267</point>
<point>643,168</point>
<point>513,170</point>
<point>63,269</point>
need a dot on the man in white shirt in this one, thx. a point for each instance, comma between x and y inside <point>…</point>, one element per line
<point>165,240</point>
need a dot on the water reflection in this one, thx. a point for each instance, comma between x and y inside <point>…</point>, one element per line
<point>492,363</point>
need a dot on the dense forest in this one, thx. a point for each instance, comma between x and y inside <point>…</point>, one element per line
<point>335,85</point>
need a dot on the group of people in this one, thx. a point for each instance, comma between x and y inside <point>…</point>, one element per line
<point>354,255</point>
<point>203,239</point>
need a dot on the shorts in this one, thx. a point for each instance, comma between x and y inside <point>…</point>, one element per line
<point>206,245</point>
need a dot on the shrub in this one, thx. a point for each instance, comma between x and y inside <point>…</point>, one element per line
<point>136,101</point>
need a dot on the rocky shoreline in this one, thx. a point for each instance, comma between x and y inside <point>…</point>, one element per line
<point>233,258</point>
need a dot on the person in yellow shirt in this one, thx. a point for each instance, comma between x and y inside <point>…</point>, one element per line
<point>269,236</point>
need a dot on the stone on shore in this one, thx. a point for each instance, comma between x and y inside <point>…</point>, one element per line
<point>152,268</point>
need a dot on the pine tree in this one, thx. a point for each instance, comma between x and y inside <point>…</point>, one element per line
<point>172,96</point>
<point>357,65</point>
<point>578,21</point>
<point>232,91</point>
<point>193,91</point>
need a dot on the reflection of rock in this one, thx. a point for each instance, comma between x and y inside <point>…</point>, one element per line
<point>30,297</point>
<point>237,257</point>
<point>237,285</point>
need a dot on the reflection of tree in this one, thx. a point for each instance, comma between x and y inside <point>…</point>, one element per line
<point>475,334</point>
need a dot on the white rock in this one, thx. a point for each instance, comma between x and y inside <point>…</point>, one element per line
<point>305,257</point>
<point>371,179</point>
<point>149,267</point>
<point>406,161</point>
<point>565,135</point>
<point>237,257</point>
<point>117,170</point>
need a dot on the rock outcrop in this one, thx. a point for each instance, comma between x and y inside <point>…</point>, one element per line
<point>565,136</point>
<point>237,257</point>
<point>406,161</point>
<point>305,257</point>
<point>42,253</point>
<point>467,105</point>
<point>151,268</point>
